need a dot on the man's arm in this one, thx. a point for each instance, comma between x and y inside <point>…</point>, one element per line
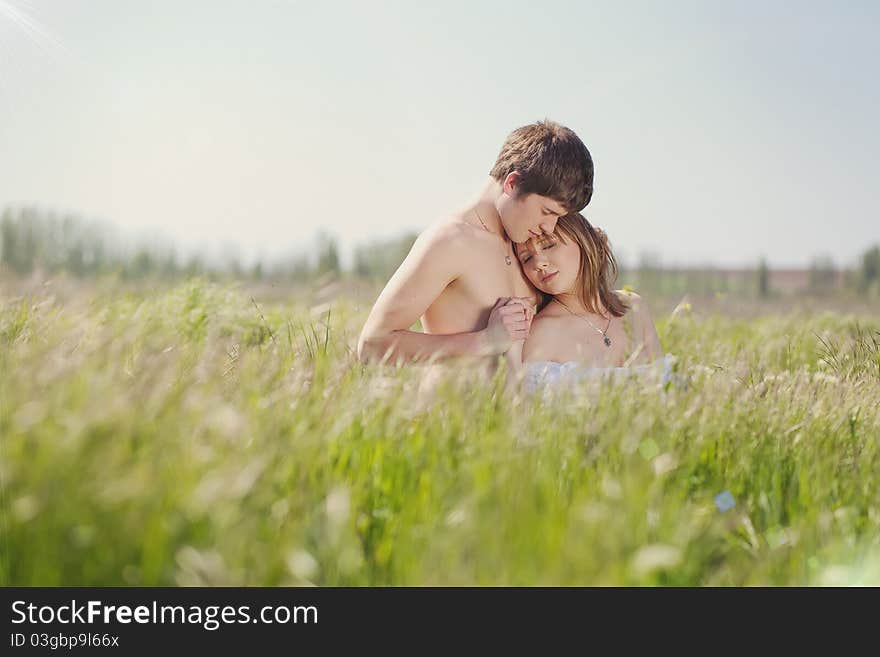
<point>430,266</point>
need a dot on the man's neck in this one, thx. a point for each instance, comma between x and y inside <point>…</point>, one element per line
<point>484,208</point>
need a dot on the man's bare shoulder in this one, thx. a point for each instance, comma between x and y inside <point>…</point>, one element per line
<point>448,233</point>
<point>437,253</point>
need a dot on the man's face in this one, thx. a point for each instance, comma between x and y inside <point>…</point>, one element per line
<point>528,215</point>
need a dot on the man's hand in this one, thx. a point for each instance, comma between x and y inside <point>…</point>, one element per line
<point>509,321</point>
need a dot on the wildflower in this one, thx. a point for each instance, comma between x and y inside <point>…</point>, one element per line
<point>724,501</point>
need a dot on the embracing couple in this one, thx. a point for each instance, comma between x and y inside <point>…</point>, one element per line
<point>520,272</point>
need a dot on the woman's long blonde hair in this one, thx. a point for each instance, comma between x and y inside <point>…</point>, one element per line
<point>598,270</point>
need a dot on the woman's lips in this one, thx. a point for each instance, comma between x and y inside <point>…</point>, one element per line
<point>548,277</point>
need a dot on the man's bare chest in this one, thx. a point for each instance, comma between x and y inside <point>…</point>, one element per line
<point>465,304</point>
<point>485,284</point>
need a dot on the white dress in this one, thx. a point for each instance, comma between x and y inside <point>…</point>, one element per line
<point>548,376</point>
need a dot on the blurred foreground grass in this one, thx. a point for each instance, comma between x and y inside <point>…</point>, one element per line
<point>195,435</point>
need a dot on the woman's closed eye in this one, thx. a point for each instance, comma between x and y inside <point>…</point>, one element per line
<point>545,246</point>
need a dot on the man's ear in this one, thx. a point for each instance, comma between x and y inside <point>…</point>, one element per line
<point>511,183</point>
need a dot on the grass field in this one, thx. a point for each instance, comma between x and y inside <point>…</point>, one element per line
<point>197,435</point>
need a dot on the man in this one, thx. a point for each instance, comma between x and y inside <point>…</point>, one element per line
<point>461,277</point>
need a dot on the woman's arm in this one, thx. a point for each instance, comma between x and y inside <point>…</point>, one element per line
<point>513,362</point>
<point>650,337</point>
<point>514,355</point>
<point>648,340</point>
<point>643,341</point>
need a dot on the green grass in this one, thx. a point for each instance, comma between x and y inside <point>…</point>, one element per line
<point>199,435</point>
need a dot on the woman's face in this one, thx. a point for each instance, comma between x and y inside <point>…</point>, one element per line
<point>549,263</point>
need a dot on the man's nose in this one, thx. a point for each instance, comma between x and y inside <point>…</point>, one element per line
<point>548,226</point>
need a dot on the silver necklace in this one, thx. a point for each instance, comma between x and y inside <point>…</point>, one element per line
<point>604,333</point>
<point>486,228</point>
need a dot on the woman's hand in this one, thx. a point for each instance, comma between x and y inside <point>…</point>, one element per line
<point>528,308</point>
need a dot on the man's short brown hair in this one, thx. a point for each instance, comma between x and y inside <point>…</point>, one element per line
<point>551,160</point>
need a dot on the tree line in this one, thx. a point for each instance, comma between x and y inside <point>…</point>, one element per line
<point>34,240</point>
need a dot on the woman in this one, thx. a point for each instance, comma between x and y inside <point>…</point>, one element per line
<point>584,328</point>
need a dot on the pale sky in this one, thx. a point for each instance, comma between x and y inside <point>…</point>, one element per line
<point>720,131</point>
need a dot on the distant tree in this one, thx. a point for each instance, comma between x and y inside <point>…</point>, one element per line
<point>168,268</point>
<point>763,279</point>
<point>28,229</point>
<point>195,266</point>
<point>75,262</point>
<point>377,260</point>
<point>141,264</point>
<point>32,238</point>
<point>328,255</point>
<point>650,274</point>
<point>869,274</point>
<point>823,274</point>
<point>98,257</point>
<point>64,248</point>
<point>8,239</point>
<point>299,268</point>
<point>230,261</point>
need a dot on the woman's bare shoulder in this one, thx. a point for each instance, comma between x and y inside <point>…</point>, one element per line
<point>628,295</point>
<point>636,303</point>
<point>643,324</point>
<point>543,337</point>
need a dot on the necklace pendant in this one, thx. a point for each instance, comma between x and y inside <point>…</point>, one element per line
<point>508,260</point>
<point>607,341</point>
